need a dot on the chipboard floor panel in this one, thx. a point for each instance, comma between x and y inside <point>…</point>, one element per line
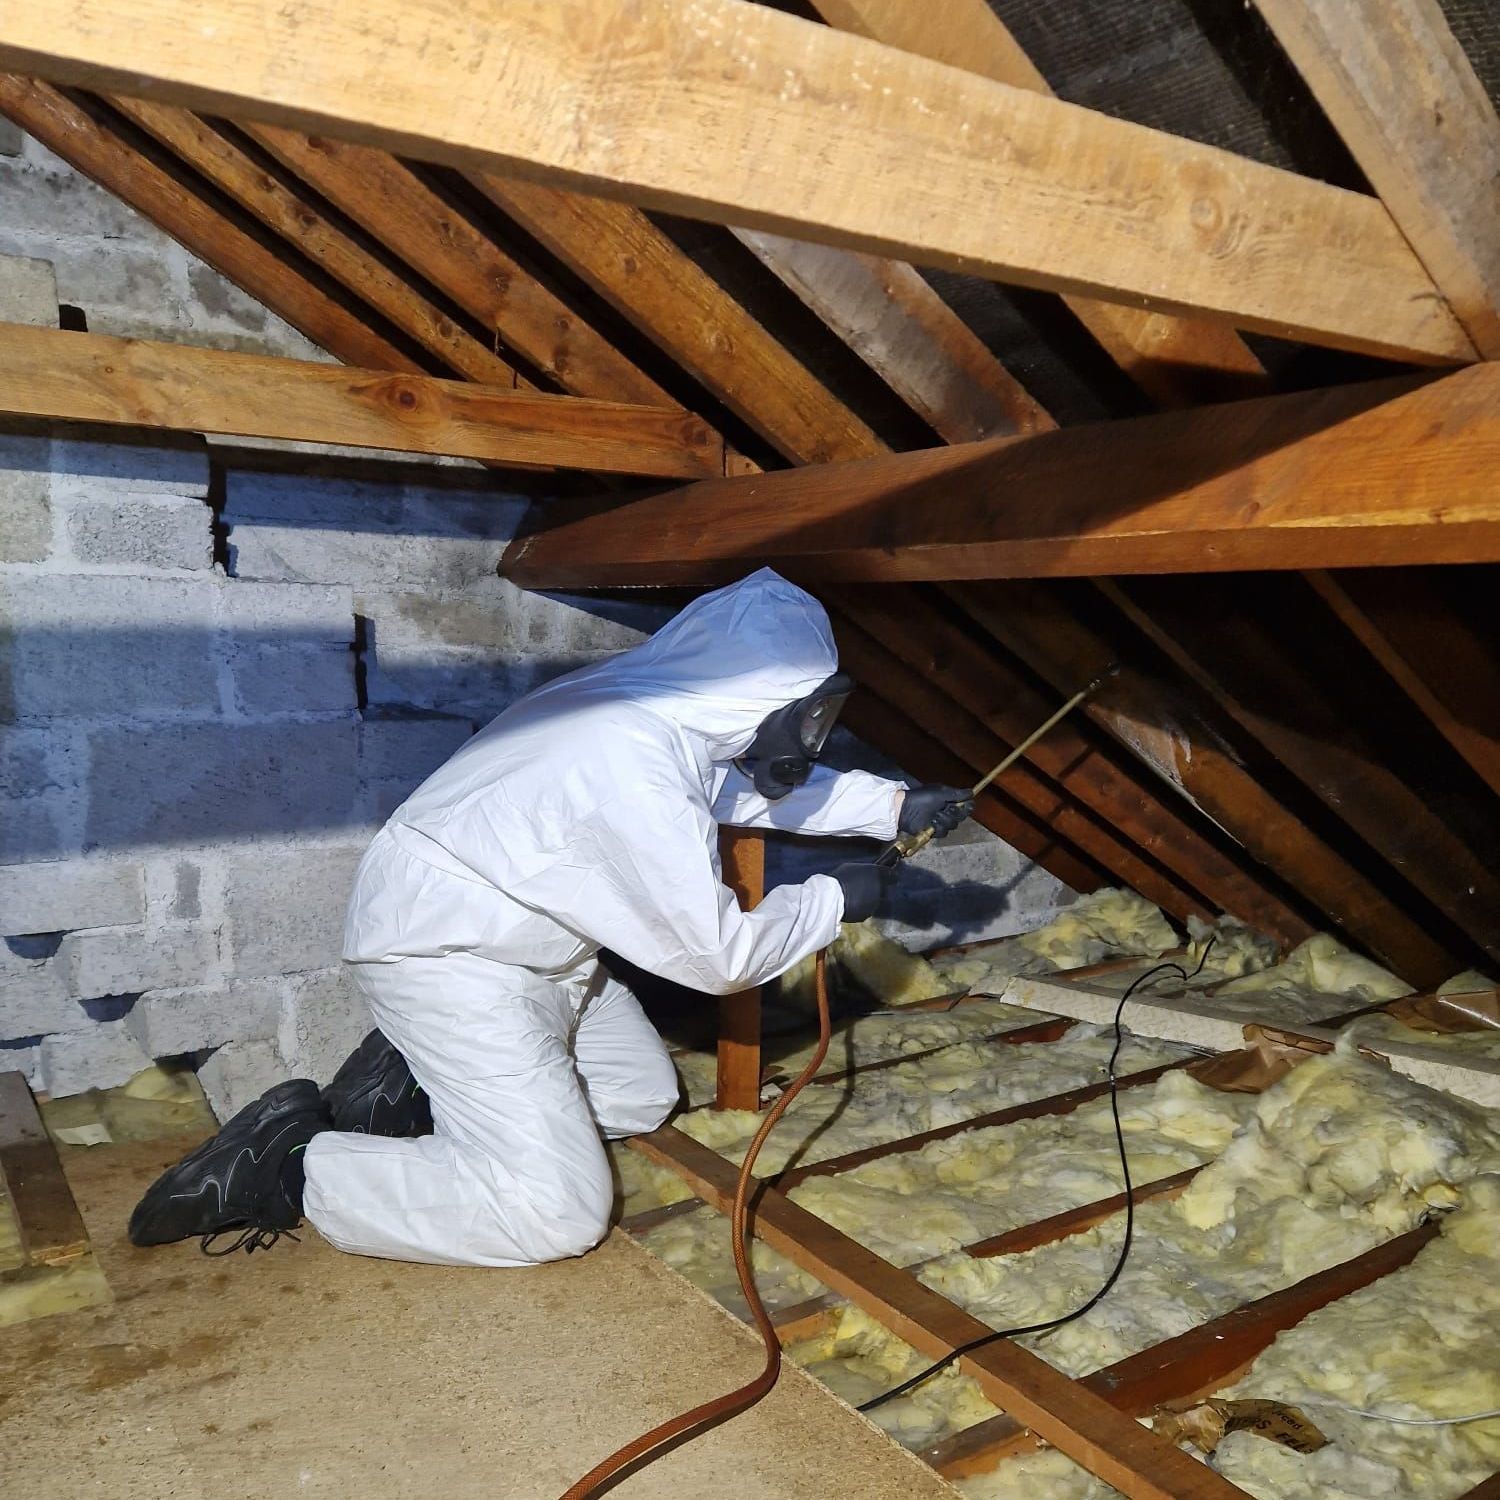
<point>303,1371</point>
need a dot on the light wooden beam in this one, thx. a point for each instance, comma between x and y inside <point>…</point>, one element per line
<point>87,377</point>
<point>1176,361</point>
<point>1397,87</point>
<point>775,123</point>
<point>1398,471</point>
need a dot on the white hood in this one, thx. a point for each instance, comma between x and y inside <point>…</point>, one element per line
<point>718,668</point>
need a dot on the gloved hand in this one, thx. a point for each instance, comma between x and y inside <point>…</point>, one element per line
<point>864,887</point>
<point>940,808</point>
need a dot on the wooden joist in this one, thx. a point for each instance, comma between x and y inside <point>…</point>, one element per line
<point>1414,115</point>
<point>52,1229</point>
<point>1397,471</point>
<point>815,133</point>
<point>90,377</point>
<point>1081,1424</point>
<point>1031,1109</point>
<point>1195,1363</point>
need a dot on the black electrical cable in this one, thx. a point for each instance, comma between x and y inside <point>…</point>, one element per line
<point>1119,1266</point>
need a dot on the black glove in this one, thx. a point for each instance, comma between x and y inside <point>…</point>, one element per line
<point>940,808</point>
<point>864,887</point>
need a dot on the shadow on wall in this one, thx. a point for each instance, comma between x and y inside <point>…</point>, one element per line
<point>133,739</point>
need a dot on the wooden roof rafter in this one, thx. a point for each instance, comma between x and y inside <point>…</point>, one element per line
<point>873,148</point>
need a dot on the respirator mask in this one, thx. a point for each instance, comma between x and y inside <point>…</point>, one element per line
<point>789,740</point>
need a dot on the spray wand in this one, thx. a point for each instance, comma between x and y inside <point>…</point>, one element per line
<point>904,845</point>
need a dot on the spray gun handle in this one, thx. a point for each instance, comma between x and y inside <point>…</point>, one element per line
<point>903,846</point>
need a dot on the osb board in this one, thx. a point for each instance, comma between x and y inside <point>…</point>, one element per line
<point>304,1371</point>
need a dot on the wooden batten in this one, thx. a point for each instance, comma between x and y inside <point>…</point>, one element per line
<point>52,1229</point>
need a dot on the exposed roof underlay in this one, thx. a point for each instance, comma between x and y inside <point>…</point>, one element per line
<point>1300,750</point>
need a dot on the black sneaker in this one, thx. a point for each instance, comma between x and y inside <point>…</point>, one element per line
<point>237,1180</point>
<point>374,1093</point>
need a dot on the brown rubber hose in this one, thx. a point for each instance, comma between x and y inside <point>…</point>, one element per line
<point>654,1444</point>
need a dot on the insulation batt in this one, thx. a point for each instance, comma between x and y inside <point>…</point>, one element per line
<point>1339,1156</point>
<point>871,1038</point>
<point>1107,924</point>
<point>953,1192</point>
<point>1422,1342</point>
<point>1318,979</point>
<point>884,968</point>
<point>962,1081</point>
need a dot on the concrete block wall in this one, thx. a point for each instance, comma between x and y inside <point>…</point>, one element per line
<point>216,682</point>
<point>221,670</point>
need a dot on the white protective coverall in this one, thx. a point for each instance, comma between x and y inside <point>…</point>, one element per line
<point>584,816</point>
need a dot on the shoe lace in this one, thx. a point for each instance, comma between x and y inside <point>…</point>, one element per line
<point>252,1238</point>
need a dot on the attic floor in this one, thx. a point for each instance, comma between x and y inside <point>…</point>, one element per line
<point>302,1371</point>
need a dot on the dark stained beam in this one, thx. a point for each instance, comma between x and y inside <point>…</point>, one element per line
<point>1390,472</point>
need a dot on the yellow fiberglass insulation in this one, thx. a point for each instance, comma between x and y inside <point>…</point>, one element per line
<point>947,1087</point>
<point>952,1192</point>
<point>1107,924</point>
<point>1339,1156</point>
<point>884,968</point>
<point>870,1038</point>
<point>1422,1342</point>
<point>1236,949</point>
<point>698,1246</point>
<point>857,1359</point>
<point>1318,979</point>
